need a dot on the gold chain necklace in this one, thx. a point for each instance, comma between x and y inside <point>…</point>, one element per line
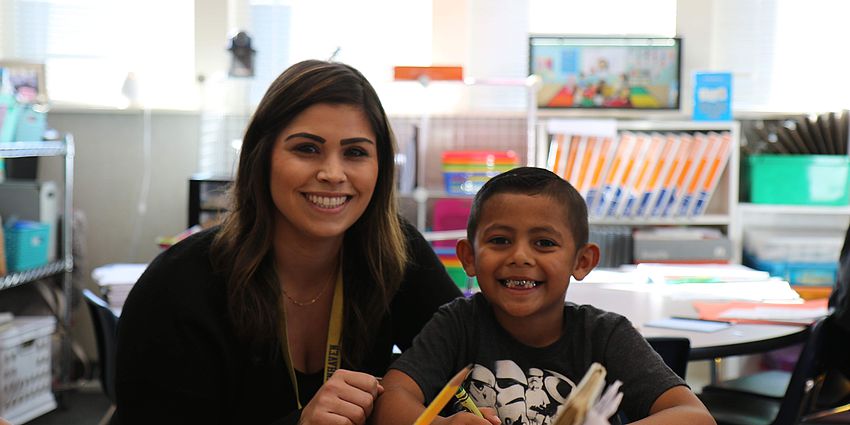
<point>316,298</point>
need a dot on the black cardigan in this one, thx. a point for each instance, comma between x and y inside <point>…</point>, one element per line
<point>179,360</point>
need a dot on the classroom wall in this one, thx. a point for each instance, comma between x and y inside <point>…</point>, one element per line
<point>110,168</point>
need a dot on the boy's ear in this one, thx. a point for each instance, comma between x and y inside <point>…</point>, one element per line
<point>466,254</point>
<point>587,257</point>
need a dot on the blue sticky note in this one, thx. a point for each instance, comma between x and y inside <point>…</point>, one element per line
<point>712,96</point>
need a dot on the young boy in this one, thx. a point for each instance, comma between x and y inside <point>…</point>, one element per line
<point>526,236</point>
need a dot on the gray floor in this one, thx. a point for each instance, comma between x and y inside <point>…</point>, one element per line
<point>84,406</point>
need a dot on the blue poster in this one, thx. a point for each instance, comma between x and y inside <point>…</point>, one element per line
<point>713,96</point>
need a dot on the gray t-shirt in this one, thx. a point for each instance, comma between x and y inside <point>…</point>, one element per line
<point>528,385</point>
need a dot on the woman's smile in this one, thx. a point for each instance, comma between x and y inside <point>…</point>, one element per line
<point>327,202</point>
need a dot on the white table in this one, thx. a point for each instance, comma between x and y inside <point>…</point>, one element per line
<point>641,307</point>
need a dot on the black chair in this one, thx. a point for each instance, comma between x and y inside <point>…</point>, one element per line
<point>105,327</point>
<point>839,300</point>
<point>832,401</point>
<point>674,352</point>
<point>832,404</point>
<point>741,407</point>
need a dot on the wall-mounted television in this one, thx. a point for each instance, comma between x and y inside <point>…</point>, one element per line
<point>606,72</point>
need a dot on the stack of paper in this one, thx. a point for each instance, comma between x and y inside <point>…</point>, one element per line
<point>116,281</point>
<point>713,273</point>
<point>697,282</point>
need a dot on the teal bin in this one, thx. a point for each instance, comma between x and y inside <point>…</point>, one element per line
<point>26,245</point>
<point>31,125</point>
<point>799,179</point>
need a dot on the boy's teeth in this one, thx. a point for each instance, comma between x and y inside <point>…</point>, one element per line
<point>520,283</point>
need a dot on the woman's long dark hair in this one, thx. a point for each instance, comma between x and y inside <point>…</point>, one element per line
<point>242,250</point>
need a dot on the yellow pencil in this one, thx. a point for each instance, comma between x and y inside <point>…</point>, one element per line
<point>463,398</point>
<point>442,398</point>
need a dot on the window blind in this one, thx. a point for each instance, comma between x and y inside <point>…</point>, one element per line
<point>90,46</point>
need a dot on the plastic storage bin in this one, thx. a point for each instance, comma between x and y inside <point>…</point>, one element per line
<point>806,257</point>
<point>26,245</point>
<point>25,369</point>
<point>450,214</point>
<point>799,179</point>
<point>464,172</point>
<point>796,273</point>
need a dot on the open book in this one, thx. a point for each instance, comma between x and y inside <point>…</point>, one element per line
<point>586,405</point>
<point>583,406</point>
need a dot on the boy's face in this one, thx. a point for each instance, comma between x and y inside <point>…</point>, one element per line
<point>524,255</point>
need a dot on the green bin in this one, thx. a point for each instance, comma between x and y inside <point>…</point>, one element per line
<point>799,179</point>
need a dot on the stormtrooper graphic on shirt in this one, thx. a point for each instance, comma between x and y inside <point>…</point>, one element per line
<point>532,397</point>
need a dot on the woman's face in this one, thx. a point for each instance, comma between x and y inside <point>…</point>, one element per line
<point>324,168</point>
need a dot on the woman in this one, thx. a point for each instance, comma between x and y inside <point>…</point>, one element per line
<point>246,323</point>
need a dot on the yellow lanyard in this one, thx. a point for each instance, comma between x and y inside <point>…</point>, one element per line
<point>333,353</point>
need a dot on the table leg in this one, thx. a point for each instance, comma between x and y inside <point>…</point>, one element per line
<point>716,370</point>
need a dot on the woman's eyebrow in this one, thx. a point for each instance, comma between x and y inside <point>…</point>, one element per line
<point>306,136</point>
<point>355,140</point>
<point>321,139</point>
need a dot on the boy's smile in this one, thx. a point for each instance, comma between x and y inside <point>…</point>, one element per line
<point>519,283</point>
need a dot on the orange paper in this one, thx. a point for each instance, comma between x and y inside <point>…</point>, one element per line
<point>715,311</point>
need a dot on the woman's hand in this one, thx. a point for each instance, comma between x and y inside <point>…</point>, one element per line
<point>346,398</point>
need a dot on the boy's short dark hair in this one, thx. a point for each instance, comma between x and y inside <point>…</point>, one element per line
<point>533,181</point>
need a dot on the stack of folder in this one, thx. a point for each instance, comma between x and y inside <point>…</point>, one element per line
<point>615,244</point>
<point>824,134</point>
<point>642,174</point>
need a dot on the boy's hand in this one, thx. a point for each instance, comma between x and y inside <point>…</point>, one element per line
<point>347,397</point>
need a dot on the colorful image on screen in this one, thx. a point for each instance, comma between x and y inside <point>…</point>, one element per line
<point>606,73</point>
